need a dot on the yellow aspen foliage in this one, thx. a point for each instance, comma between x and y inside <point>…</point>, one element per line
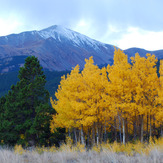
<point>161,83</point>
<point>94,84</point>
<point>159,115</point>
<point>120,88</point>
<point>68,106</point>
<point>120,83</point>
<point>124,97</point>
<point>145,83</point>
<point>145,91</point>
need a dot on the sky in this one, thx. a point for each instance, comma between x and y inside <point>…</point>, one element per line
<point>123,23</point>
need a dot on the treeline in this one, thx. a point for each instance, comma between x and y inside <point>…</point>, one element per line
<point>121,102</point>
<point>25,112</point>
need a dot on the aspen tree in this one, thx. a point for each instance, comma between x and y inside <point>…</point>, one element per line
<point>159,115</point>
<point>67,107</point>
<point>119,96</point>
<point>144,73</point>
<point>94,82</point>
<point>119,76</point>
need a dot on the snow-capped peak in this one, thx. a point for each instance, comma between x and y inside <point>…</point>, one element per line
<point>59,33</point>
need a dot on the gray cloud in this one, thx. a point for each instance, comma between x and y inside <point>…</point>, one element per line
<point>38,14</point>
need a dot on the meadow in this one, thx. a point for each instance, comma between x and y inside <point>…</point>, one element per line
<point>151,152</point>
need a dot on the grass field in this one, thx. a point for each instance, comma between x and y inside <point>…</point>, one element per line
<point>106,153</point>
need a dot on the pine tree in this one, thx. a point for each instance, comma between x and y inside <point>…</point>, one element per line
<point>27,114</point>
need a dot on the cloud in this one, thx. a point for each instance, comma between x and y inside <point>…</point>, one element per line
<point>104,19</point>
<point>136,37</point>
<point>146,14</point>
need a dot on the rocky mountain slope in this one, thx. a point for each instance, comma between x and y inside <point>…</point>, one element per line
<point>57,48</point>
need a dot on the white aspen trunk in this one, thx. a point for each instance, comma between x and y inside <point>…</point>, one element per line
<point>101,134</point>
<point>75,135</point>
<point>134,129</point>
<point>161,132</point>
<point>150,131</point>
<point>93,134</point>
<point>142,125</point>
<point>123,131</point>
<point>79,136</point>
<point>105,138</point>
<point>120,134</point>
<point>126,131</point>
<point>147,126</point>
<point>115,129</point>
<point>88,139</point>
<point>97,134</point>
<point>82,135</point>
<point>154,126</point>
<point>69,135</point>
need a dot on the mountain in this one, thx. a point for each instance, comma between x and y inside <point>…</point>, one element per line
<point>142,52</point>
<point>57,48</point>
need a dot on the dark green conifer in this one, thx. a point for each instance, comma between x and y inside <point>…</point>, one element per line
<point>26,112</point>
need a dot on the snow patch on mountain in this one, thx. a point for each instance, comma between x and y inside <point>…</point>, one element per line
<point>60,33</point>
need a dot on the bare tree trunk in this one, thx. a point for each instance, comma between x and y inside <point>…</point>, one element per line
<point>147,127</point>
<point>161,131</point>
<point>154,126</point>
<point>150,132</point>
<point>142,132</point>
<point>134,130</point>
<point>75,136</point>
<point>120,134</point>
<point>93,134</point>
<point>101,134</point>
<point>79,135</point>
<point>82,135</point>
<point>112,132</point>
<point>88,139</point>
<point>69,134</point>
<point>115,130</point>
<point>105,138</point>
<point>123,131</point>
<point>97,134</point>
<point>126,124</point>
<point>139,126</point>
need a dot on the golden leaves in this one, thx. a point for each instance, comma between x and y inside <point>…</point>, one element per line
<point>95,95</point>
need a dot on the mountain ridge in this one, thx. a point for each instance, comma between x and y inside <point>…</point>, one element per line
<point>58,49</point>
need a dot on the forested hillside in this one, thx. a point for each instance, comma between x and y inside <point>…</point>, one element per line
<point>52,77</point>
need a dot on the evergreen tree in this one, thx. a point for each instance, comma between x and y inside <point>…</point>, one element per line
<point>26,113</point>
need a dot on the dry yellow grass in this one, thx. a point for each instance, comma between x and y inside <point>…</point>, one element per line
<point>68,153</point>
